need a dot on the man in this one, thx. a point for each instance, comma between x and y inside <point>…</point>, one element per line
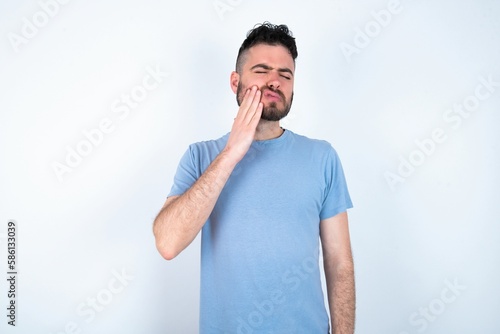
<point>263,196</point>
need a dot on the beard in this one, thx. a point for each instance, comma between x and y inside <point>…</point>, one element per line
<point>270,112</point>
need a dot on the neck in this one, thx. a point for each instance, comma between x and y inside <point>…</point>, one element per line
<point>268,130</point>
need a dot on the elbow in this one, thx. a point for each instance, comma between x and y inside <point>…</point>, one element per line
<point>163,244</point>
<point>166,252</point>
<point>168,242</point>
<point>168,255</point>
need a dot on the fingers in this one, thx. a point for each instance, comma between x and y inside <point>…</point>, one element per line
<point>245,124</point>
<point>244,104</point>
<point>256,116</point>
<point>254,105</point>
<point>249,105</point>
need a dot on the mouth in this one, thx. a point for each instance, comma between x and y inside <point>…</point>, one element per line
<point>270,95</point>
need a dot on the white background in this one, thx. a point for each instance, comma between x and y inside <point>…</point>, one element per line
<point>74,235</point>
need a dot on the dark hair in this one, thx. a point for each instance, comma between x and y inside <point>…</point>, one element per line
<point>267,33</point>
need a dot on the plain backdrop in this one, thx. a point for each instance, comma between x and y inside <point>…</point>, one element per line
<point>376,79</point>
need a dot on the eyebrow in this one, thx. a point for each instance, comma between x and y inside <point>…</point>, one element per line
<point>269,68</point>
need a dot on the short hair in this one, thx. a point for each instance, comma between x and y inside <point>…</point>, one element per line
<point>267,33</point>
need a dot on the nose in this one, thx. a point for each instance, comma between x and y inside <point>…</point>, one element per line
<point>274,82</point>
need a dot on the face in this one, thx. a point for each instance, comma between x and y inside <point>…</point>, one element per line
<point>271,69</point>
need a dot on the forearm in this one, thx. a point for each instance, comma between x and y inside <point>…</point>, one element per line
<point>179,222</point>
<point>341,296</point>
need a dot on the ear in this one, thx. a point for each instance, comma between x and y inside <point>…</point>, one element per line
<point>234,81</point>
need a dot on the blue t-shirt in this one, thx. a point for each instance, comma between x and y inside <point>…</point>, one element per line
<point>260,245</point>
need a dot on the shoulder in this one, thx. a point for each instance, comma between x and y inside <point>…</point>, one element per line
<point>199,155</point>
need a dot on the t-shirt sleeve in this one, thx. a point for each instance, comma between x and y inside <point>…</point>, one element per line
<point>337,197</point>
<point>186,174</point>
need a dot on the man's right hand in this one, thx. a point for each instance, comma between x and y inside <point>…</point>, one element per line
<point>244,126</point>
<point>182,217</point>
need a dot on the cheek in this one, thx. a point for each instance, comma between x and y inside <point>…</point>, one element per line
<point>248,84</point>
<point>288,90</point>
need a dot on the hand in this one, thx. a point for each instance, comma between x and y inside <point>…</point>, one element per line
<point>245,124</point>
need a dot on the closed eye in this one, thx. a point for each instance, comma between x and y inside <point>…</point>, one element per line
<point>281,75</point>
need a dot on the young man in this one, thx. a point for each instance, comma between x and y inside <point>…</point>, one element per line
<point>263,196</point>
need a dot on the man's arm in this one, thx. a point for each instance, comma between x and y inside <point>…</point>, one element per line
<point>182,217</point>
<point>339,272</point>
